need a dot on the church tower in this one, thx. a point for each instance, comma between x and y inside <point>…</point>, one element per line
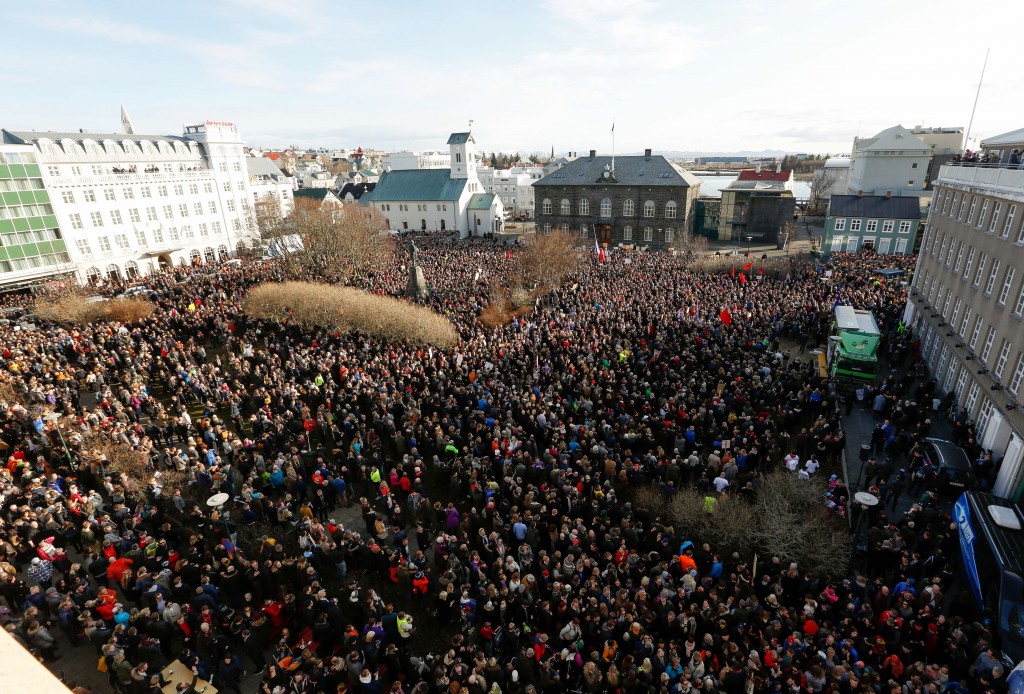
<point>463,149</point>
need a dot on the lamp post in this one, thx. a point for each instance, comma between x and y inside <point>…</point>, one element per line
<point>216,503</point>
<point>54,418</point>
<point>749,239</point>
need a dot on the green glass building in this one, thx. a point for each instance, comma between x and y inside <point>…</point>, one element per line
<point>32,247</point>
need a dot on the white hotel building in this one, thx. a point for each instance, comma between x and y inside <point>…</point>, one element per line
<point>129,204</point>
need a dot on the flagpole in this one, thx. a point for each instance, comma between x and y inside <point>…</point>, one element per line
<point>613,145</point>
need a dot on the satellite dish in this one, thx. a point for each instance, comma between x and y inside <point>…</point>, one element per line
<point>218,499</point>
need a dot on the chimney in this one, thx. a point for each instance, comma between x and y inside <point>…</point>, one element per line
<point>888,194</point>
<point>647,154</point>
<point>758,168</point>
<point>593,153</point>
<point>860,193</point>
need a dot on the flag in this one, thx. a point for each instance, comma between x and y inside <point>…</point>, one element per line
<point>508,254</point>
<point>732,272</point>
<point>743,278</point>
<point>747,267</point>
<point>601,254</point>
<point>760,270</point>
<point>613,127</point>
<point>725,316</point>
<point>597,249</point>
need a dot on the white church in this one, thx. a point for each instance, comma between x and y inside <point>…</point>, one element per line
<point>440,200</point>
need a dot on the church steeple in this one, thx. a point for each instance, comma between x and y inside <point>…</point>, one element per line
<point>463,150</point>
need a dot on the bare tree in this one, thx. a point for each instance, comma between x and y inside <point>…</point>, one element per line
<point>548,259</point>
<point>821,187</point>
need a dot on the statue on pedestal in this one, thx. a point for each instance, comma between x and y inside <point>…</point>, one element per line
<point>417,286</point>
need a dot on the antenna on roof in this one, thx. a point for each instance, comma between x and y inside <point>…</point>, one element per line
<point>970,123</point>
<point>470,125</point>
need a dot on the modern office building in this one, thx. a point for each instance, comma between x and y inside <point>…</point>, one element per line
<point>967,305</point>
<point>127,204</point>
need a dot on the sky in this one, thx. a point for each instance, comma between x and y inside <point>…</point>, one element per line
<point>672,75</point>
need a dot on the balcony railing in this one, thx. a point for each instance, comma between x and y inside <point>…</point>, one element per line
<point>998,176</point>
<point>140,177</point>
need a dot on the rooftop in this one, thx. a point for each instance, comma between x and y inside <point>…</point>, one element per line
<point>896,138</point>
<point>481,201</point>
<point>416,184</point>
<point>765,175</point>
<point>878,206</point>
<point>460,138</point>
<point>629,170</point>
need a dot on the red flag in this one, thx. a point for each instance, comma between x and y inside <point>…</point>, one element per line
<point>725,316</point>
<point>508,254</point>
<point>748,266</point>
<point>732,273</point>
<point>601,255</point>
<point>760,270</point>
<point>743,278</point>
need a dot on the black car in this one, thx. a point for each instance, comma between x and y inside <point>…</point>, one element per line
<point>954,469</point>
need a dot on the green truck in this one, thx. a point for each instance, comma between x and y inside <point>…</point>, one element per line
<point>853,348</point>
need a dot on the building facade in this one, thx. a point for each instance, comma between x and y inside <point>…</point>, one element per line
<point>757,206</point>
<point>514,186</point>
<point>644,200</point>
<point>967,306</point>
<point>882,224</point>
<point>129,204</point>
<point>270,186</point>
<point>893,161</point>
<point>406,161</point>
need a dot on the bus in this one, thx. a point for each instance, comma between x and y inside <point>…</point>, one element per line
<point>852,355</point>
<point>992,564</point>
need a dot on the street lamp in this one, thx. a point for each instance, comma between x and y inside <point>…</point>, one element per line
<point>749,239</point>
<point>216,503</point>
<point>54,418</point>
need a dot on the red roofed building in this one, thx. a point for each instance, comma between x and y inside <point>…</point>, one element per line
<point>757,206</point>
<point>780,175</point>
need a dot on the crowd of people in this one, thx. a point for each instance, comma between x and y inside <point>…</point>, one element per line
<point>491,544</point>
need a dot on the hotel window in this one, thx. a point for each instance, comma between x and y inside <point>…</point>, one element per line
<point>236,225</point>
<point>213,207</point>
<point>627,233</point>
<point>133,214</point>
<point>1004,355</point>
<point>888,224</point>
<point>173,233</point>
<point>1007,285</point>
<point>628,208</point>
<point>840,225</point>
<point>670,209</point>
<point>231,205</point>
<point>83,247</point>
<point>68,197</point>
<point>89,194</point>
<point>872,225</point>
<point>203,230</point>
<point>207,187</point>
<point>854,225</point>
<point>648,234</point>
<point>584,208</point>
<point>129,194</point>
<point>1018,375</point>
<point>151,214</point>
<point>97,170</point>
<point>104,244</point>
<point>144,190</point>
<point>115,216</point>
<point>992,276</point>
<point>565,208</point>
<point>178,190</point>
<point>193,188</point>
<point>544,206</point>
<point>162,191</point>
<point>97,219</point>
<point>168,212</point>
<point>223,166</point>
<point>241,185</point>
<point>198,208</point>
<point>183,210</point>
<point>54,170</point>
<point>140,238</point>
<point>984,211</point>
<point>995,217</point>
<point>990,338</point>
<point>236,166</point>
<point>76,221</point>
<point>904,227</point>
<point>122,241</point>
<point>970,213</point>
<point>606,207</point>
<point>187,231</point>
<point>158,236</point>
<point>227,186</point>
<point>1011,213</point>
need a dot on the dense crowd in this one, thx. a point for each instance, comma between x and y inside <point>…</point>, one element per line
<point>496,548</point>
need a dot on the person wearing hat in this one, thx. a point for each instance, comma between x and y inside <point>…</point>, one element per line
<point>41,572</point>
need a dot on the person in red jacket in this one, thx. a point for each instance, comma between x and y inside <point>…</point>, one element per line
<point>118,567</point>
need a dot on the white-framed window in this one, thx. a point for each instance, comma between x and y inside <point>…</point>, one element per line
<point>968,312</point>
<point>1018,375</point>
<point>96,218</point>
<point>193,188</point>
<point>151,214</point>
<point>970,263</point>
<point>887,226</point>
<point>583,231</point>
<point>213,206</point>
<point>161,190</point>
<point>837,244</point>
<point>994,220</point>
<point>172,233</point>
<point>627,233</point>
<point>1018,308</point>
<point>223,167</point>
<point>628,208</point>
<point>241,185</point>
<point>547,228</point>
<point>217,228</point>
<point>133,214</point>
<point>89,194</point>
<point>670,235</point>
<point>122,241</point>
<point>178,189</point>
<point>204,229</point>
<point>648,234</point>
<point>158,236</point>
<point>584,207</point>
<point>76,220</point>
<point>1011,214</point>
<point>565,228</point>
<point>231,204</point>
<point>872,225</point>
<point>187,232</point>
<point>904,227</point>
<point>984,211</point>
<point>546,206</point>
<point>854,225</point>
<point>976,332</point>
<point>104,244</point>
<point>606,207</point>
<point>956,307</point>
<point>670,209</point>
<point>983,416</point>
<point>83,247</point>
<point>226,187</point>
<point>115,216</point>
<point>1004,293</point>
<point>236,166</point>
<point>992,275</point>
<point>198,208</point>
<point>1004,355</point>
<point>68,197</point>
<point>168,212</point>
<point>981,269</point>
<point>961,381</point>
<point>840,225</point>
<point>959,259</point>
<point>952,247</point>
<point>108,194</point>
<point>565,208</point>
<point>901,246</point>
<point>183,210</point>
<point>649,209</point>
<point>972,397</point>
<point>145,192</point>
<point>207,187</point>
<point>990,338</point>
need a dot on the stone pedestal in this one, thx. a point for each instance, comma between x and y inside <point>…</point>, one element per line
<point>417,286</point>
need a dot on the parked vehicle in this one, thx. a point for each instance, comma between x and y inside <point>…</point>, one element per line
<point>956,474</point>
